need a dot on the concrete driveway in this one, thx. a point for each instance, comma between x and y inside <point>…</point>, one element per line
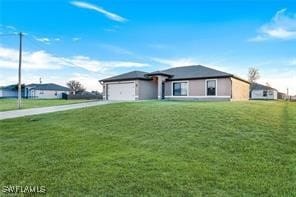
<point>44,110</point>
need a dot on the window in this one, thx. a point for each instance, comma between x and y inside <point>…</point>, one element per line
<point>41,92</point>
<point>265,93</point>
<point>180,89</point>
<point>211,87</point>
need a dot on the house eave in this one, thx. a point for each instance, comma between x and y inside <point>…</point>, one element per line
<point>196,78</point>
<point>126,79</point>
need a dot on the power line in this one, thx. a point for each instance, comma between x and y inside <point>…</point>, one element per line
<point>9,34</point>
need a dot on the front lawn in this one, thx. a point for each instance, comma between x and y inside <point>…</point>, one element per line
<point>11,104</point>
<point>155,148</point>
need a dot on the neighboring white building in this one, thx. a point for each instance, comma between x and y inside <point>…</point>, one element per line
<point>10,91</point>
<point>45,91</point>
<point>259,91</point>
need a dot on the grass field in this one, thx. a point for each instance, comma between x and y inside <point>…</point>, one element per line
<point>11,104</point>
<point>155,148</point>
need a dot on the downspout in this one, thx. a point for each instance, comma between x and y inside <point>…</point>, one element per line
<point>231,88</point>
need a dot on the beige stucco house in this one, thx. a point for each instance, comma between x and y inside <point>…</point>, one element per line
<point>188,82</point>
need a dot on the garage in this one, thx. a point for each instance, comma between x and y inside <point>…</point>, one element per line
<point>121,91</point>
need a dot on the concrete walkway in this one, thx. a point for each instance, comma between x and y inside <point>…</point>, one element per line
<point>44,110</point>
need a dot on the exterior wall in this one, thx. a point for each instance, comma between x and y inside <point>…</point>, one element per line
<point>137,89</point>
<point>104,91</point>
<point>8,93</point>
<point>240,89</point>
<point>168,88</point>
<point>258,94</point>
<point>224,87</point>
<point>46,94</point>
<point>197,89</point>
<point>146,89</point>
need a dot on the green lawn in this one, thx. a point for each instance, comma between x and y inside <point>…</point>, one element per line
<point>155,148</point>
<point>11,104</point>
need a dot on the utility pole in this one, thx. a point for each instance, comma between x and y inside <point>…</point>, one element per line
<point>19,95</point>
<point>288,97</point>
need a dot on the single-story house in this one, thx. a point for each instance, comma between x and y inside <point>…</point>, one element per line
<point>281,96</point>
<point>188,82</point>
<point>10,91</point>
<point>45,91</point>
<point>259,91</point>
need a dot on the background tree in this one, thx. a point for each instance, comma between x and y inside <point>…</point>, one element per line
<point>253,75</point>
<point>75,87</point>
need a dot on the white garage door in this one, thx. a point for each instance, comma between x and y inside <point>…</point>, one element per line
<point>121,91</point>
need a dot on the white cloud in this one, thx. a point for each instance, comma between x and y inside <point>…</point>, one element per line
<point>96,8</point>
<point>101,66</point>
<point>292,62</point>
<point>10,27</point>
<point>9,79</point>
<point>31,60</point>
<point>75,39</point>
<point>41,62</point>
<point>281,80</point>
<point>176,62</point>
<point>43,40</point>
<point>88,81</point>
<point>46,40</point>
<point>258,38</point>
<point>282,26</point>
<point>44,60</point>
<point>188,61</point>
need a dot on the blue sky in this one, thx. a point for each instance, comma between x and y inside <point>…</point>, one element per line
<point>91,40</point>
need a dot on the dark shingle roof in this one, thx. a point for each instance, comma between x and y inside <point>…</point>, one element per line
<point>176,73</point>
<point>9,87</point>
<point>194,72</point>
<point>159,73</point>
<point>48,86</point>
<point>13,87</point>
<point>128,76</point>
<point>257,86</point>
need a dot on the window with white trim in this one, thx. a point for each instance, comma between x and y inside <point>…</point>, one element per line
<point>211,87</point>
<point>180,89</point>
